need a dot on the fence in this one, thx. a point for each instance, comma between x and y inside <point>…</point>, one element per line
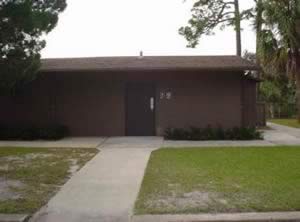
<point>261,118</point>
<point>279,110</point>
<point>266,111</point>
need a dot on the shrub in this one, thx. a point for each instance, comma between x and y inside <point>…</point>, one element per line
<point>29,132</point>
<point>53,132</point>
<point>176,134</point>
<point>209,133</point>
<point>194,133</point>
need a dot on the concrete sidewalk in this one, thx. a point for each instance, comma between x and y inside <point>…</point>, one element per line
<point>180,144</point>
<point>105,189</point>
<point>289,130</point>
<point>229,217</point>
<point>69,142</point>
<point>125,142</point>
<point>282,135</point>
<point>278,135</point>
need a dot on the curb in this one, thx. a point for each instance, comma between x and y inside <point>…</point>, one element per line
<point>236,217</point>
<point>14,217</point>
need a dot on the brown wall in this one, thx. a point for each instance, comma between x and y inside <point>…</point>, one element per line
<point>87,103</point>
<point>31,105</point>
<point>90,105</point>
<point>249,102</point>
<point>93,104</point>
<point>213,99</point>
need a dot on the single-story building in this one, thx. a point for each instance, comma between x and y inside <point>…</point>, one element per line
<point>136,96</point>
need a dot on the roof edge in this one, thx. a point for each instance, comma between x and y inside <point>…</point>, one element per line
<point>132,63</point>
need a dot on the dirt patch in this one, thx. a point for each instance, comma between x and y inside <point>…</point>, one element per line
<point>32,156</point>
<point>8,189</point>
<point>29,179</point>
<point>194,199</point>
<point>11,158</point>
<point>4,167</point>
<point>21,161</point>
<point>29,156</point>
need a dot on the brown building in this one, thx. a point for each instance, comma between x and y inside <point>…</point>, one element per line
<point>136,96</point>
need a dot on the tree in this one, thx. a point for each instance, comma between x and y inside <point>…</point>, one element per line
<point>259,8</point>
<point>22,25</point>
<point>209,14</point>
<point>280,40</point>
<point>277,90</point>
<point>279,93</point>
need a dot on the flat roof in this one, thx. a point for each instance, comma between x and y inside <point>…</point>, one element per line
<point>222,63</point>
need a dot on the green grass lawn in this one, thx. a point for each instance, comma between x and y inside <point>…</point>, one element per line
<point>286,122</point>
<point>29,177</point>
<point>210,180</point>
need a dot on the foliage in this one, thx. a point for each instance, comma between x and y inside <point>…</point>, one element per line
<point>279,93</point>
<point>209,133</point>
<point>250,56</point>
<point>278,89</point>
<point>52,132</point>
<point>279,41</point>
<point>22,25</point>
<point>208,15</point>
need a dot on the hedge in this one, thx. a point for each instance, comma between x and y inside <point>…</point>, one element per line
<point>209,133</point>
<point>29,133</point>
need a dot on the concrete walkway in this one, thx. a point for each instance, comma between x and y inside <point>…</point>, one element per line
<point>278,135</point>
<point>70,142</point>
<point>282,135</point>
<point>106,188</point>
<point>133,142</point>
<point>229,217</point>
<point>290,130</point>
<point>177,144</point>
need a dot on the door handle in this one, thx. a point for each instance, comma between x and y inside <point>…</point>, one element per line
<point>152,103</point>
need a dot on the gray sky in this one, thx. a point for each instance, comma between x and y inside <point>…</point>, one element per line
<point>124,27</point>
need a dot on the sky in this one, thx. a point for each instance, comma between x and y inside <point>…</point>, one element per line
<point>92,28</point>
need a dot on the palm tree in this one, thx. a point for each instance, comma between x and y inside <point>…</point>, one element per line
<point>258,25</point>
<point>279,40</point>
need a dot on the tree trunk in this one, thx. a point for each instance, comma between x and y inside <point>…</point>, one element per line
<point>297,59</point>
<point>298,84</point>
<point>258,26</point>
<point>238,28</point>
<point>271,109</point>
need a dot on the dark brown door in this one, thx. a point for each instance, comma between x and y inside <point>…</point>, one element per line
<point>140,109</point>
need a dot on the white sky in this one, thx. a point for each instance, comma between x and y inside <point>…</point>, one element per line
<point>125,27</point>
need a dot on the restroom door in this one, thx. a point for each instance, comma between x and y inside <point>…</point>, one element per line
<point>140,109</point>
